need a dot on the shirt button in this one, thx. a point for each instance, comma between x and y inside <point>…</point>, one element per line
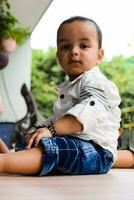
<point>92,103</point>
<point>62,96</point>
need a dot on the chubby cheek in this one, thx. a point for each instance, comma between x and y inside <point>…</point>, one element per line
<point>62,59</point>
<point>91,60</point>
<point>59,57</point>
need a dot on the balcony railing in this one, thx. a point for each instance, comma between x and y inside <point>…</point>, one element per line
<point>128,118</point>
<point>126,140</point>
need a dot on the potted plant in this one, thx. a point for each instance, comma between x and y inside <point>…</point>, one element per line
<point>10,34</point>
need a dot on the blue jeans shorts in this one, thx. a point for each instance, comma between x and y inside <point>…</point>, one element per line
<point>70,155</point>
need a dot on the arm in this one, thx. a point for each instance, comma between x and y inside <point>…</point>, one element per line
<point>64,126</point>
<point>67,125</point>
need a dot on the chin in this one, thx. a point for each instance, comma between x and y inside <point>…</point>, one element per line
<point>74,76</point>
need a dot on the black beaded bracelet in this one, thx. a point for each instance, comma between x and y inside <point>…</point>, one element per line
<point>52,128</point>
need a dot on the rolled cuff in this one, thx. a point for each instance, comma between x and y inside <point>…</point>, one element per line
<point>89,112</point>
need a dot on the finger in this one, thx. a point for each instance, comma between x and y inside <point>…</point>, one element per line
<point>27,137</point>
<point>37,139</point>
<point>30,141</point>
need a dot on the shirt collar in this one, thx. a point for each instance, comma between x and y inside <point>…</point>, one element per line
<point>68,83</point>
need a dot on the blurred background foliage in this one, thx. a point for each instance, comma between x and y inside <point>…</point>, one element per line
<point>46,74</point>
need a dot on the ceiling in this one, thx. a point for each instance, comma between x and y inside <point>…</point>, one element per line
<point>29,12</point>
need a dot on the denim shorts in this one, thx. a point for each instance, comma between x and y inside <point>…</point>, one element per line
<point>70,155</point>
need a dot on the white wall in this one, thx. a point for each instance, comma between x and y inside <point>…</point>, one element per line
<point>18,70</point>
<point>12,77</point>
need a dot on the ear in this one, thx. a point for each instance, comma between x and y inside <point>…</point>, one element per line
<point>100,56</point>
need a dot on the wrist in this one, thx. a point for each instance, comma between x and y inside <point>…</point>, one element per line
<point>51,128</point>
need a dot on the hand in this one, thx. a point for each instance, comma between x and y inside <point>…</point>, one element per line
<point>36,136</point>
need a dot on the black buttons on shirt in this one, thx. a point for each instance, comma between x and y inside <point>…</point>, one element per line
<point>92,103</point>
<point>62,96</point>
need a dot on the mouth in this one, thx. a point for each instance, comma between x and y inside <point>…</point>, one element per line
<point>74,61</point>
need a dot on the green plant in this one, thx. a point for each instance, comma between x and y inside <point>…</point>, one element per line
<point>8,25</point>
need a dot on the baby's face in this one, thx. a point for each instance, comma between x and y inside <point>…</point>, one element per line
<point>77,49</point>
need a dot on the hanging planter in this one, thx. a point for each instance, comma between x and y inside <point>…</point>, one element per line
<point>4,59</point>
<point>10,34</point>
<point>8,44</point>
<point>8,25</point>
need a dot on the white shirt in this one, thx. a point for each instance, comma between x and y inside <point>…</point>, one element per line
<point>93,100</point>
<point>1,105</point>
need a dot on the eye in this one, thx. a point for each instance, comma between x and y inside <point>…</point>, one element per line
<point>84,46</point>
<point>65,47</point>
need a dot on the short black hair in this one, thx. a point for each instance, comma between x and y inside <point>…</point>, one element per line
<point>85,19</point>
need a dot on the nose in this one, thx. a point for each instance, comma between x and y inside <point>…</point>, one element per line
<point>74,51</point>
